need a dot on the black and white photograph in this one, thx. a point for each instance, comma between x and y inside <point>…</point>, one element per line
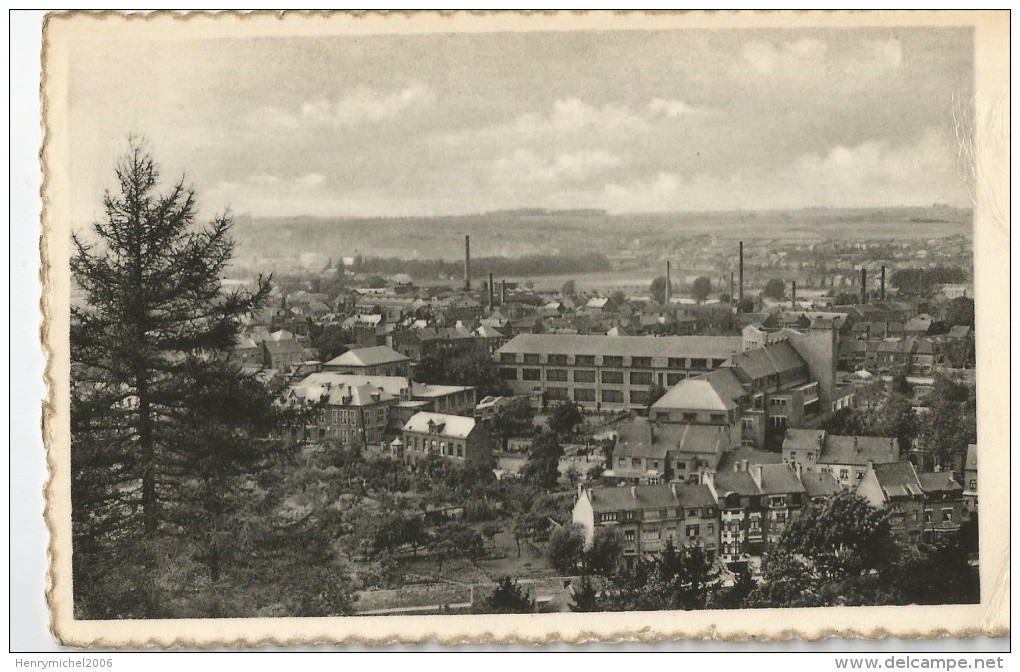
<point>495,319</point>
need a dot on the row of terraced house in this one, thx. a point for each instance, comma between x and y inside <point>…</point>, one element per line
<point>737,511</point>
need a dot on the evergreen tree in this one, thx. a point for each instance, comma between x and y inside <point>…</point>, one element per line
<point>509,598</point>
<point>162,424</point>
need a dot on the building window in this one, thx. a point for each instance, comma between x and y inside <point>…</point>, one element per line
<point>655,465</point>
<point>927,516</point>
<point>641,361</point>
<point>628,515</point>
<point>612,377</point>
<point>673,378</point>
<point>639,397</point>
<point>584,376</point>
<point>692,531</point>
<point>557,393</point>
<point>718,417</point>
<point>622,461</point>
<point>532,374</point>
<point>628,535</point>
<point>584,394</point>
<point>508,374</point>
<point>710,528</point>
<point>558,360</point>
<point>460,451</point>
<point>507,358</point>
<point>973,484</point>
<point>681,465</point>
<point>584,360</point>
<point>640,378</point>
<point>676,362</point>
<point>531,358</point>
<point>635,462</point>
<point>612,396</point>
<point>947,515</point>
<point>690,417</point>
<point>699,364</point>
<point>844,473</point>
<point>612,360</point>
<point>556,375</point>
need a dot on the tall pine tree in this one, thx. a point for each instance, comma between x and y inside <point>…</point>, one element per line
<point>166,451</point>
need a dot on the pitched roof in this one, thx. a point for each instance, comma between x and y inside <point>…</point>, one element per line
<point>635,497</point>
<point>696,394</point>
<point>772,359</point>
<point>395,385</point>
<point>777,479</point>
<point>283,347</point>
<point>803,439</point>
<point>379,354</point>
<point>640,437</point>
<point>939,481</point>
<point>707,347</point>
<point>344,395</point>
<point>898,479</point>
<point>695,496</point>
<point>858,450</point>
<point>733,457</point>
<point>971,463</point>
<point>451,426</point>
<point>739,482</point>
<point>959,331</point>
<point>819,483</point>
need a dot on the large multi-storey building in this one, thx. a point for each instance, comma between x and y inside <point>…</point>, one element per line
<point>608,372</point>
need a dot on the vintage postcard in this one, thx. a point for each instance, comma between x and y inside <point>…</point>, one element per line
<point>508,327</point>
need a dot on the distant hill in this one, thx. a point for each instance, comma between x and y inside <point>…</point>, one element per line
<point>531,231</point>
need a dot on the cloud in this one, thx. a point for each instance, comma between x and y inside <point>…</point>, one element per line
<point>573,115</point>
<point>308,181</point>
<point>670,108</point>
<point>525,166</point>
<point>871,173</point>
<point>361,105</point>
<point>771,57</point>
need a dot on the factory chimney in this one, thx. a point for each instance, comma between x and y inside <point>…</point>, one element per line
<point>864,285</point>
<point>669,285</point>
<point>492,293</point>
<point>502,292</point>
<point>881,291</point>
<point>793,294</point>
<point>740,297</point>
<point>731,290</point>
<point>467,263</point>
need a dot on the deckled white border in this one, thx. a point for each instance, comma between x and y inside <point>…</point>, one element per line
<point>991,266</point>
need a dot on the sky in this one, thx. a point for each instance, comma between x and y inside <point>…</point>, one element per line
<point>626,121</point>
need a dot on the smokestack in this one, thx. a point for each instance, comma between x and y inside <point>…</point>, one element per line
<point>731,289</point>
<point>740,297</point>
<point>864,285</point>
<point>467,263</point>
<point>669,285</point>
<point>502,292</point>
<point>881,291</point>
<point>492,292</point>
<point>793,294</point>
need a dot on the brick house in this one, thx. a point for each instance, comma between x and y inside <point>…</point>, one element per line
<point>453,438</point>
<point>352,415</point>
